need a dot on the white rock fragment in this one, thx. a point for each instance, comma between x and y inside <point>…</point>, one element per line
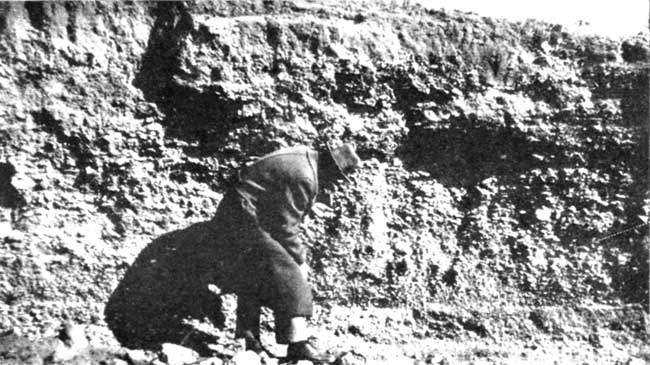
<point>138,357</point>
<point>72,335</point>
<point>543,214</point>
<point>22,182</point>
<point>211,361</point>
<point>72,342</point>
<point>246,358</point>
<point>635,361</point>
<point>174,354</point>
<point>117,361</point>
<point>5,229</point>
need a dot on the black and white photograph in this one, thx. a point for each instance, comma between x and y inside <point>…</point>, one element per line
<point>306,182</point>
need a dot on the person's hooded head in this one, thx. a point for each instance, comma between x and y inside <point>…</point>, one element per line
<point>337,163</point>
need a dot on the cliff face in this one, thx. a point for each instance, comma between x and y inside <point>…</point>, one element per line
<point>501,157</point>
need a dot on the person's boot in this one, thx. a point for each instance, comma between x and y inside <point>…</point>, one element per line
<point>307,350</point>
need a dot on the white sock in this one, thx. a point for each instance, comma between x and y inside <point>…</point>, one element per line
<point>298,329</point>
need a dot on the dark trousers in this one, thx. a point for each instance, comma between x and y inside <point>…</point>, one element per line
<point>263,273</point>
<point>248,319</point>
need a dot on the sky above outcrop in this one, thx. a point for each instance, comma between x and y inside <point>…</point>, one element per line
<point>605,17</point>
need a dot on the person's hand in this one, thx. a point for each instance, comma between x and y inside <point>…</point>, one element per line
<point>304,270</point>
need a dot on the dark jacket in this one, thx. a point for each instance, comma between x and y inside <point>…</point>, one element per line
<point>258,221</point>
<point>281,187</point>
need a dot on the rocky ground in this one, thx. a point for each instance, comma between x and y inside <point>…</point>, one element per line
<point>500,217</point>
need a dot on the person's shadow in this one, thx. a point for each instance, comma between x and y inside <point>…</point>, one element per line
<point>167,283</point>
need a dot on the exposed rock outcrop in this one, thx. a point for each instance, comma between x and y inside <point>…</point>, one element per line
<point>507,162</point>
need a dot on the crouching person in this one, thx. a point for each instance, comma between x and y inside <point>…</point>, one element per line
<point>258,222</point>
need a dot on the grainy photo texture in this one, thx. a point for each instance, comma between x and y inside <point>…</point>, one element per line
<point>324,182</point>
